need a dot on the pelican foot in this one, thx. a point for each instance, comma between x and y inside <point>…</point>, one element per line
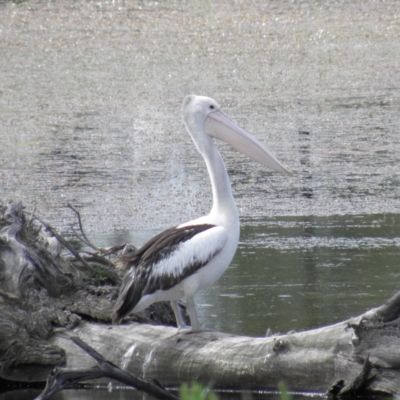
<point>188,330</point>
<point>184,329</point>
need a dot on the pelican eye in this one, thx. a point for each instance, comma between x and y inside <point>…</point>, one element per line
<point>211,107</point>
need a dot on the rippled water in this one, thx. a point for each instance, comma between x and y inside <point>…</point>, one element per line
<point>90,96</point>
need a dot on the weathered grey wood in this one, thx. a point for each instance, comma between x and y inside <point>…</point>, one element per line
<point>312,360</point>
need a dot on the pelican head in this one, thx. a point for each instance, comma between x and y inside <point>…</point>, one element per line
<point>203,115</point>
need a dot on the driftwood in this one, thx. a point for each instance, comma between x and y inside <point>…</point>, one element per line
<point>357,356</point>
<point>42,294</point>
<point>45,299</point>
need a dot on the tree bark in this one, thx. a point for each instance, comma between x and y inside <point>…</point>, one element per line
<point>317,360</point>
<point>44,301</point>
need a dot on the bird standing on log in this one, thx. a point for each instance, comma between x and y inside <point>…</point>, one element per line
<point>180,261</point>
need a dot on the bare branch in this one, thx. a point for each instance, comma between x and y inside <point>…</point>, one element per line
<point>65,244</point>
<point>32,215</point>
<point>84,238</point>
<point>63,378</point>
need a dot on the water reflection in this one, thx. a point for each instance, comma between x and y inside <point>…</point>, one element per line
<point>130,394</point>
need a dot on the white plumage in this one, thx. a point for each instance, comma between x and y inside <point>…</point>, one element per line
<point>201,248</point>
<point>181,261</point>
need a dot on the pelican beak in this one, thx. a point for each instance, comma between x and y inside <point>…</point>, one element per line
<point>220,126</point>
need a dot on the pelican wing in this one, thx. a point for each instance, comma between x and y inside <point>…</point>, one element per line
<point>166,260</point>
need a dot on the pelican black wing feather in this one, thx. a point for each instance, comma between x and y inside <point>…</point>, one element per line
<point>139,280</point>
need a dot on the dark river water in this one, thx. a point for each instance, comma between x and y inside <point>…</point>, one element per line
<point>90,97</point>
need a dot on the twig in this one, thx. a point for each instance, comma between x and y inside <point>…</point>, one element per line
<point>86,241</point>
<point>114,249</point>
<point>111,274</point>
<point>99,259</point>
<point>32,215</point>
<point>84,238</point>
<point>66,244</point>
<point>62,378</point>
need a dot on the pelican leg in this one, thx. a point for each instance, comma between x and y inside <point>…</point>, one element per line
<point>192,314</point>
<point>180,322</point>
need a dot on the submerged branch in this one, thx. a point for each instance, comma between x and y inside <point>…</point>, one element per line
<point>63,378</point>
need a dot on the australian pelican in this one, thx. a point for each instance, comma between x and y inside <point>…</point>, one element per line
<point>182,260</point>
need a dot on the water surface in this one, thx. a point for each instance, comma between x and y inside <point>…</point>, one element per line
<point>298,273</point>
<point>90,96</point>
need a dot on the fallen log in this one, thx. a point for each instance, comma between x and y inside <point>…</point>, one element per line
<point>45,299</point>
<point>357,356</point>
